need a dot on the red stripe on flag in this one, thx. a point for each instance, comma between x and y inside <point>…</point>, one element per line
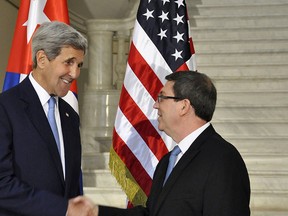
<point>132,163</point>
<point>144,72</point>
<point>73,87</point>
<point>183,67</point>
<point>143,126</point>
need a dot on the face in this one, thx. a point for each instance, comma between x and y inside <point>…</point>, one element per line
<point>56,76</point>
<point>168,110</point>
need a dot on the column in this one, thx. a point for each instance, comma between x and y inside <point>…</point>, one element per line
<point>100,99</point>
<point>121,65</point>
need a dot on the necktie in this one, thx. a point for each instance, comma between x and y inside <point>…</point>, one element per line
<point>52,120</point>
<point>172,159</point>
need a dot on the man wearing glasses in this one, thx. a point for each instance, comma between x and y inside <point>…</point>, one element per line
<point>209,175</point>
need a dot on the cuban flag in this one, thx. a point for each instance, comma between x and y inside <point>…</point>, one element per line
<point>31,14</point>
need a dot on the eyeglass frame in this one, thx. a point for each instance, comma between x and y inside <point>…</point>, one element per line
<point>160,97</point>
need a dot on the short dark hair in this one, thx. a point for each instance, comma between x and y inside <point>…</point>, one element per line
<point>198,88</point>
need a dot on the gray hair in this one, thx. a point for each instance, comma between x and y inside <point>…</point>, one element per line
<point>51,37</point>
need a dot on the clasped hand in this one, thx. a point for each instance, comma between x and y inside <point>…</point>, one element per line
<point>81,206</point>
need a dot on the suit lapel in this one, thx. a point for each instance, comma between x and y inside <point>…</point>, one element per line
<point>66,130</point>
<point>176,172</point>
<point>71,137</point>
<point>35,113</point>
<point>186,159</point>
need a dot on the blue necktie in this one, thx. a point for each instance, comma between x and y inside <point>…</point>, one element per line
<point>52,120</point>
<point>172,159</point>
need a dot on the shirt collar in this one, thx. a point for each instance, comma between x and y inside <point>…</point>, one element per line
<point>41,92</point>
<point>188,140</point>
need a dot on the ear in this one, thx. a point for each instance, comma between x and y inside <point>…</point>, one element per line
<point>184,107</point>
<point>41,59</point>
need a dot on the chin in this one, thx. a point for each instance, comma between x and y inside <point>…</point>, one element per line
<point>160,128</point>
<point>63,94</point>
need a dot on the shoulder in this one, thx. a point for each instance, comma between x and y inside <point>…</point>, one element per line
<point>18,91</point>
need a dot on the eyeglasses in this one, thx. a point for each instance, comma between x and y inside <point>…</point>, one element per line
<point>162,97</point>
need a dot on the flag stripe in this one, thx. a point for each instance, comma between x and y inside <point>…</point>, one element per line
<point>142,125</point>
<point>140,158</point>
<point>123,174</point>
<point>140,95</point>
<point>144,73</point>
<point>143,99</point>
<point>11,79</point>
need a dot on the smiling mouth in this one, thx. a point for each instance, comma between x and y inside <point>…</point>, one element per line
<point>66,81</point>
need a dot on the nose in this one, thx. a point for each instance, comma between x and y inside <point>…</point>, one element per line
<point>74,72</point>
<point>156,105</point>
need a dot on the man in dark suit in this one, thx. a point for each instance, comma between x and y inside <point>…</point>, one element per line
<point>37,177</point>
<point>210,177</point>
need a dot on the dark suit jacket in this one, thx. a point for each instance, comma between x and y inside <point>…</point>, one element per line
<point>31,176</point>
<point>210,179</point>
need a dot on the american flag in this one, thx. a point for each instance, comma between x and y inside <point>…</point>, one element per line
<point>161,45</point>
<point>31,14</point>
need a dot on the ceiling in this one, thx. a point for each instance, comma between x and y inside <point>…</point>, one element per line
<point>102,9</point>
<point>83,10</point>
<point>97,9</point>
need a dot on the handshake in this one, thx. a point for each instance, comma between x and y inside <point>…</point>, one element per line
<point>81,206</point>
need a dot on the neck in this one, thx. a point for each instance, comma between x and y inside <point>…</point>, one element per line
<point>187,128</point>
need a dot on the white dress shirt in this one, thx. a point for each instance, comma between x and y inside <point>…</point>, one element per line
<point>188,141</point>
<point>44,97</point>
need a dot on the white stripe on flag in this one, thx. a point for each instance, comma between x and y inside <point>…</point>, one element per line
<point>135,143</point>
<point>141,96</point>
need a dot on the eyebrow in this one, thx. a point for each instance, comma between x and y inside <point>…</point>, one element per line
<point>80,64</point>
<point>69,59</point>
<point>162,92</point>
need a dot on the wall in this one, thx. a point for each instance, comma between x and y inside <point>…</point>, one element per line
<point>7,25</point>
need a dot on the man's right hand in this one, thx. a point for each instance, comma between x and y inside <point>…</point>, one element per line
<point>81,206</point>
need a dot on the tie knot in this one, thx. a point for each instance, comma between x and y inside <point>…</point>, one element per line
<point>51,102</point>
<point>176,150</point>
